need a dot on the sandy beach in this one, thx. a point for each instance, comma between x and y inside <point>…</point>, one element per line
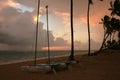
<point>104,66</point>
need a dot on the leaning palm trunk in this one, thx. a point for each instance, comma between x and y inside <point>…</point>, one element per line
<point>104,40</point>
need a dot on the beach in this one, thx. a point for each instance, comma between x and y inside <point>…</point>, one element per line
<point>104,66</point>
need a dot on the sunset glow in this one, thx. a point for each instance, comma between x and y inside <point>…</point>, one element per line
<point>17,18</point>
<point>35,18</point>
<point>13,4</point>
<point>56,48</point>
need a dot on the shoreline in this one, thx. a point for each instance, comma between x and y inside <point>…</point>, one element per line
<point>16,57</point>
<point>104,66</point>
<point>31,60</point>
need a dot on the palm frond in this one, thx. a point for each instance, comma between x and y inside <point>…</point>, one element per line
<point>110,9</point>
<point>111,4</point>
<point>113,13</point>
<point>102,20</point>
<point>90,1</point>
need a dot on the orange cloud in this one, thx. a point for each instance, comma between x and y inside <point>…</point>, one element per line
<point>3,4</point>
<point>65,16</point>
<point>13,4</point>
<point>10,3</point>
<point>94,19</point>
<point>57,48</point>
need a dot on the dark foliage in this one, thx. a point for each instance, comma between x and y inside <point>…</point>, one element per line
<point>111,26</point>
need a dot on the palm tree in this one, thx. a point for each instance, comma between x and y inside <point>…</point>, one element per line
<point>115,7</point>
<point>71,57</point>
<point>106,25</point>
<point>109,26</point>
<point>88,23</point>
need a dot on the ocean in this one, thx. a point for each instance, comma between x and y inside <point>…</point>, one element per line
<point>8,57</point>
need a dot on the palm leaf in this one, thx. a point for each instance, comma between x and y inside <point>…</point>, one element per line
<point>113,13</point>
<point>111,4</point>
<point>90,1</point>
<point>102,20</point>
<point>110,9</point>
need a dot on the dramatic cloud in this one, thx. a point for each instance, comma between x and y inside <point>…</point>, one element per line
<point>6,38</point>
<point>17,24</point>
<point>29,3</point>
<point>17,29</point>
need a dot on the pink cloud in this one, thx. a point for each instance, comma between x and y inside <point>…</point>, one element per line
<point>94,20</point>
<point>57,48</point>
<point>9,3</point>
<point>65,16</point>
<point>3,4</point>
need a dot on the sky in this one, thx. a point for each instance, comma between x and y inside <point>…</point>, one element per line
<point>18,24</point>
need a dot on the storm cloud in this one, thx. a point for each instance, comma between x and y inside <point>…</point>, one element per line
<point>17,25</point>
<point>17,29</point>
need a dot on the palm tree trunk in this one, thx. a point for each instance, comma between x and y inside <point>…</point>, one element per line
<point>103,40</point>
<point>88,23</point>
<point>36,37</point>
<point>71,57</point>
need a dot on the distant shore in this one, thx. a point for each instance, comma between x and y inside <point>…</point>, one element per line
<point>104,66</point>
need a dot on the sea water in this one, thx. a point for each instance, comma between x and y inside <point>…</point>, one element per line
<point>8,57</point>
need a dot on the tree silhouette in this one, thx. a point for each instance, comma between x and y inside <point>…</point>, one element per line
<point>115,10</point>
<point>115,7</point>
<point>71,57</point>
<point>108,25</point>
<point>111,26</point>
<point>88,23</point>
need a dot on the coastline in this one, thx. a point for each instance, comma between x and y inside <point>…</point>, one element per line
<point>9,57</point>
<point>104,66</point>
<point>38,60</point>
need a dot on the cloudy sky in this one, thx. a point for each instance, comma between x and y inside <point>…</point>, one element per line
<point>18,23</point>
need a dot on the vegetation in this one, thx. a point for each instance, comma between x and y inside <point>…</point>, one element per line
<point>88,23</point>
<point>111,25</point>
<point>71,57</point>
<point>90,2</point>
